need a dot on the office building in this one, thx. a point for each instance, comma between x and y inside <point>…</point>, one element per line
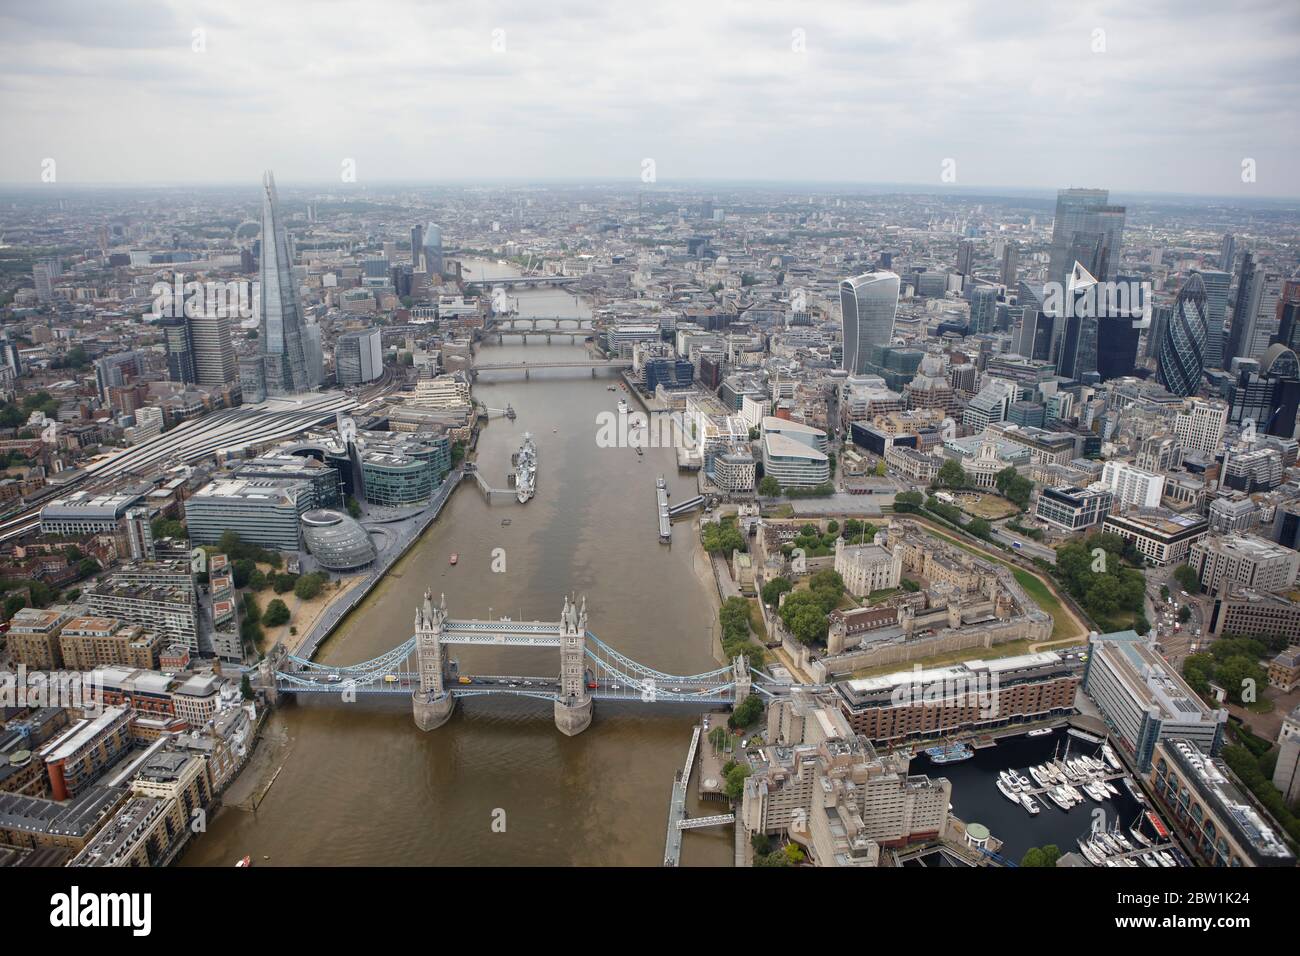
<point>1243,611</point>
<point>1180,358</point>
<point>180,350</point>
<point>84,512</point>
<point>215,362</point>
<point>1215,819</point>
<point>1088,230</point>
<point>1216,284</point>
<point>1244,559</point>
<point>359,357</point>
<point>1144,700</point>
<point>868,304</point>
<point>1201,424</point>
<point>1073,509</point>
<point>1132,487</point>
<point>433,264</point>
<point>260,511</point>
<point>1162,536</point>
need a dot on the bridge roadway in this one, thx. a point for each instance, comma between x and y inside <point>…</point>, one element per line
<point>543,688</point>
<point>527,366</point>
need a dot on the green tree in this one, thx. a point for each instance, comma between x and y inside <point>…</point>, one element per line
<point>769,487</point>
<point>950,475</point>
<point>1041,856</point>
<point>773,590</point>
<point>1186,577</point>
<point>308,586</point>
<point>734,778</point>
<point>245,687</point>
<point>277,613</point>
<point>749,710</point>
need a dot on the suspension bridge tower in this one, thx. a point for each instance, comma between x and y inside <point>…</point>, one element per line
<point>431,702</point>
<point>573,706</point>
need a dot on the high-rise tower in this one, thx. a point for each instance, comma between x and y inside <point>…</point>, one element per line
<point>1087,229</point>
<point>1180,359</point>
<point>282,324</point>
<point>867,306</point>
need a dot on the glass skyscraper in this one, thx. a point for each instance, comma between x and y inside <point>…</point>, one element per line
<point>282,324</point>
<point>867,306</point>
<point>1181,357</point>
<point>1088,230</point>
<point>1216,308</point>
<point>433,250</point>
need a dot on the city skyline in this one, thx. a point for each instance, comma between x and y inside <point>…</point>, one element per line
<point>819,95</point>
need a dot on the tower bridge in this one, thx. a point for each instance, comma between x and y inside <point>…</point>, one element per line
<point>590,670</point>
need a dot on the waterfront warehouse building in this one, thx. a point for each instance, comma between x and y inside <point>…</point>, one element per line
<point>1217,821</point>
<point>337,541</point>
<point>260,511</point>
<point>1143,700</point>
<point>975,695</point>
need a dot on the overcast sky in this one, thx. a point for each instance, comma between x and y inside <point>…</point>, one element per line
<point>1015,93</point>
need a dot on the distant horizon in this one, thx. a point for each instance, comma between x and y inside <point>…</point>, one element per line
<point>666,185</point>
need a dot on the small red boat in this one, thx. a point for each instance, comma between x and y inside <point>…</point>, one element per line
<point>453,559</point>
<point>246,861</point>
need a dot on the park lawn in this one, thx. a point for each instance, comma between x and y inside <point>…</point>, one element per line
<point>990,507</point>
<point>756,623</point>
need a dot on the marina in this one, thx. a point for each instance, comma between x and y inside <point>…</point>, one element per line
<point>1027,790</point>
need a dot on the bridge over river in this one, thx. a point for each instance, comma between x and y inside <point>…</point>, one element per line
<point>590,670</point>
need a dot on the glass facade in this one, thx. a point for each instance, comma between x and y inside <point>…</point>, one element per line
<point>282,324</point>
<point>867,307</point>
<point>1180,359</point>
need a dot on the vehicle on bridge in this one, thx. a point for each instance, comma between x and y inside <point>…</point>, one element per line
<point>466,680</point>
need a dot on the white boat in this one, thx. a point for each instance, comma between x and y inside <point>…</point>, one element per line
<point>1149,859</point>
<point>1024,782</point>
<point>1094,792</point>
<point>1040,732</point>
<point>1108,841</point>
<point>1119,838</point>
<point>1059,797</point>
<point>1109,787</point>
<point>1010,779</point>
<point>1040,777</point>
<point>1072,792</point>
<point>1110,757</point>
<point>622,407</point>
<point>1029,804</point>
<point>1165,859</point>
<point>1007,792</point>
<point>1140,837</point>
<point>1091,853</point>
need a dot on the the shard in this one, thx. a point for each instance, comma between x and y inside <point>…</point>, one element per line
<point>282,326</point>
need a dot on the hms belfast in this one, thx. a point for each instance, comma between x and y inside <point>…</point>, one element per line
<point>525,475</point>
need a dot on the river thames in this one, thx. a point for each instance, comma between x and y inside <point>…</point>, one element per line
<point>360,785</point>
